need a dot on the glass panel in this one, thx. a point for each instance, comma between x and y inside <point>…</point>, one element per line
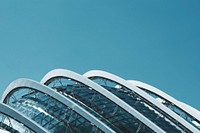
<point>174,108</point>
<point>8,124</point>
<point>48,112</point>
<point>101,107</point>
<point>154,114</point>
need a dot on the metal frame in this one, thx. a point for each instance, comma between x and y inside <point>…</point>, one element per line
<point>190,110</point>
<point>95,103</point>
<point>186,109</point>
<point>101,90</point>
<point>19,83</point>
<point>106,75</point>
<point>6,110</point>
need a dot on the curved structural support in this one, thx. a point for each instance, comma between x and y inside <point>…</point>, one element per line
<point>69,74</point>
<point>186,109</point>
<point>8,111</point>
<point>20,83</point>
<point>109,76</point>
<point>190,110</point>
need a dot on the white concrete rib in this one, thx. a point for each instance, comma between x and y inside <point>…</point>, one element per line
<point>77,77</point>
<point>106,75</point>
<point>14,114</point>
<point>27,83</point>
<point>188,109</point>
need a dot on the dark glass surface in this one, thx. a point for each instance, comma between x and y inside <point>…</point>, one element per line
<point>141,105</point>
<point>9,124</point>
<point>175,109</point>
<point>48,112</point>
<point>98,105</point>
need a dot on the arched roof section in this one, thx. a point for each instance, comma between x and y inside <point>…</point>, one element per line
<point>20,83</point>
<point>112,77</point>
<point>69,74</point>
<point>6,110</point>
<point>190,110</point>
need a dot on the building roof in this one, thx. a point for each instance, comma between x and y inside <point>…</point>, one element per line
<point>97,101</point>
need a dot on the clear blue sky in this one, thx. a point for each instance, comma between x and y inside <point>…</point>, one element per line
<point>154,41</point>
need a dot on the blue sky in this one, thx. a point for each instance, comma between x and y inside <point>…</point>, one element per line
<point>157,42</point>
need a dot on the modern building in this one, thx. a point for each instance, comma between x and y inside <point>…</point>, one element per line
<point>94,102</point>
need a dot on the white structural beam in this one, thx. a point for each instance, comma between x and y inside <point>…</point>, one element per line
<point>20,83</point>
<point>77,77</point>
<point>7,110</point>
<point>188,109</point>
<point>112,77</point>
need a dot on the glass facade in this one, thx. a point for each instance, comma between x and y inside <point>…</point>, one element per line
<point>140,104</point>
<point>66,102</point>
<point>8,124</point>
<point>193,121</point>
<point>48,112</point>
<point>100,106</point>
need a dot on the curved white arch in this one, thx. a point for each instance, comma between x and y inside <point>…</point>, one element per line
<point>190,110</point>
<point>101,90</point>
<point>5,109</point>
<point>106,75</point>
<point>46,90</point>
